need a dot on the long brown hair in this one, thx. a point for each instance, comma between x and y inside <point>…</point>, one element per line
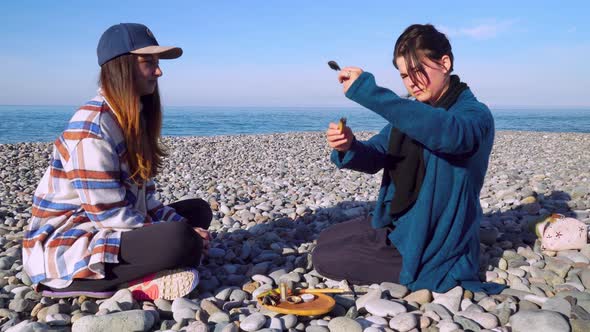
<point>421,40</point>
<point>140,118</point>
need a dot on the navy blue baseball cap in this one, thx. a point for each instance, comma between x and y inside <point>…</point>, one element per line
<point>131,38</point>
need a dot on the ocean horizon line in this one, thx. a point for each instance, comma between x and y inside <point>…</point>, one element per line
<point>492,107</point>
<point>44,123</point>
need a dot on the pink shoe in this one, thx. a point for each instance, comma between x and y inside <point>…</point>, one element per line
<point>167,284</point>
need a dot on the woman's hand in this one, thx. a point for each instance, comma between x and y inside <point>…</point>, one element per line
<point>348,75</point>
<point>339,140</point>
<point>206,236</point>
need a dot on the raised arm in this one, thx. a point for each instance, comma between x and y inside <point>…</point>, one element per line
<point>456,132</point>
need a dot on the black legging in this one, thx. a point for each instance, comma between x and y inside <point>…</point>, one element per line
<point>154,248</point>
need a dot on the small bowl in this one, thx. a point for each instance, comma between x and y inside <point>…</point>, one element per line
<point>307,297</point>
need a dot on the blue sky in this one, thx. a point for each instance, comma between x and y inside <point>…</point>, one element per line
<point>274,53</point>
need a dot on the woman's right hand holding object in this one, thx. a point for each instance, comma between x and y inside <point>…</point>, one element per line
<point>339,140</point>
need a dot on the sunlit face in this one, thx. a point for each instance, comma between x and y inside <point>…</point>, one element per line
<point>422,90</point>
<point>147,73</point>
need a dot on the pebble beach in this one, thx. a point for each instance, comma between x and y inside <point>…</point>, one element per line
<point>272,195</point>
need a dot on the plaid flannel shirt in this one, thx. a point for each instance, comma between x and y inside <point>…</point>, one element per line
<point>85,200</point>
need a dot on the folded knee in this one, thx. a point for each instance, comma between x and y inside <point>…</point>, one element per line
<point>183,244</point>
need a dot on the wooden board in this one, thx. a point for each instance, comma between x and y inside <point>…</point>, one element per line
<point>320,305</point>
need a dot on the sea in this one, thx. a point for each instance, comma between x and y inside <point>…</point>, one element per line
<point>45,123</point>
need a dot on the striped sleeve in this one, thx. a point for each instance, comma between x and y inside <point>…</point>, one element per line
<point>94,172</point>
<point>157,210</point>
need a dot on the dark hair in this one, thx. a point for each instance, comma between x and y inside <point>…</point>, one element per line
<point>142,137</point>
<point>421,40</point>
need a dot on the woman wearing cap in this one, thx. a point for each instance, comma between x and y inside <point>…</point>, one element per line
<point>434,152</point>
<point>96,224</point>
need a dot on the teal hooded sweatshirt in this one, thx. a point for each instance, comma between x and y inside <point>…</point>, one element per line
<point>438,237</point>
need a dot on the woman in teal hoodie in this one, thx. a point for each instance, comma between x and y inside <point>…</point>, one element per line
<point>434,153</point>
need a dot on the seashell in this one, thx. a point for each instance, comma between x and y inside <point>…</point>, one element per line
<point>294,299</point>
<point>270,299</point>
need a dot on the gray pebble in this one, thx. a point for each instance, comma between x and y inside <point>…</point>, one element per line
<point>289,321</point>
<point>219,317</point>
<point>404,322</point>
<point>343,324</point>
<point>122,300</point>
<point>133,320</point>
<point>316,328</point>
<point>538,320</point>
<point>57,319</point>
<point>253,322</point>
<point>559,305</point>
<point>20,305</point>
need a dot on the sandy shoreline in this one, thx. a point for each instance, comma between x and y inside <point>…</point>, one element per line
<point>272,194</point>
